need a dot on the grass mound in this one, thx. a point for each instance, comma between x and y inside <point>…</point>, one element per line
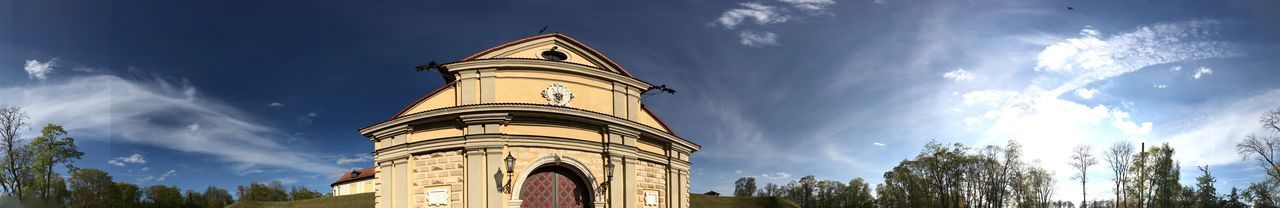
<point>354,201</point>
<point>704,201</point>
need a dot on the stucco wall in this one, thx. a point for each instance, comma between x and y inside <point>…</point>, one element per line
<point>443,169</point>
<point>525,86</point>
<point>444,98</point>
<point>354,187</point>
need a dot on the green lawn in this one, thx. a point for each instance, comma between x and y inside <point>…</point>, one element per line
<point>704,201</point>
<point>354,201</point>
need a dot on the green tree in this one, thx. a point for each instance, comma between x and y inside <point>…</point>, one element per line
<point>745,186</point>
<point>51,148</point>
<point>193,199</point>
<point>1206,195</point>
<point>273,191</point>
<point>1261,195</point>
<point>216,197</point>
<point>302,193</point>
<point>161,196</point>
<point>858,194</point>
<point>126,195</point>
<point>1234,200</point>
<point>90,188</point>
<point>1164,177</point>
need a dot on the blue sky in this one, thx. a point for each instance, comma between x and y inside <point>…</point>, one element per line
<point>225,93</point>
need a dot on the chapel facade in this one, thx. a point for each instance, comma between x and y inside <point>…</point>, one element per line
<point>544,121</point>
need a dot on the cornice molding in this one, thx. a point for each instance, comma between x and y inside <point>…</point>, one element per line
<point>514,109</point>
<point>559,66</point>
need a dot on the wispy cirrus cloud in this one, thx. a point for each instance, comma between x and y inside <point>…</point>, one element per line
<point>160,114</point>
<point>757,39</point>
<point>357,158</point>
<point>765,14</point>
<point>759,13</point>
<point>814,6</point>
<point>135,159</point>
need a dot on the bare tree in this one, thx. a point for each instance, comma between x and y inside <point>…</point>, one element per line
<point>1119,157</point>
<point>1081,158</point>
<point>1264,148</point>
<point>12,120</point>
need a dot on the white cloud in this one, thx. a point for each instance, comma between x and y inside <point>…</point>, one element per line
<point>737,172</point>
<point>1086,93</point>
<point>1210,139</point>
<point>1175,68</point>
<point>878,144</point>
<point>959,75</point>
<point>1201,72</point>
<point>142,113</point>
<point>757,39</point>
<point>37,70</point>
<point>357,158</point>
<point>1160,86</point>
<point>275,104</point>
<point>760,13</point>
<point>194,127</point>
<point>810,5</point>
<point>776,176</point>
<point>121,161</point>
<point>1043,122</point>
<point>1091,57</point>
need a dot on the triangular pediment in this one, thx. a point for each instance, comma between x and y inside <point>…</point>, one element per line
<point>534,47</point>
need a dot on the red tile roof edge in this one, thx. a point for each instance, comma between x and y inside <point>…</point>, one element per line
<point>346,176</point>
<point>571,40</point>
<point>423,98</point>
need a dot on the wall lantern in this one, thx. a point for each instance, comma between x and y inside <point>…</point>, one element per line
<point>608,171</point>
<point>604,186</point>
<point>511,163</point>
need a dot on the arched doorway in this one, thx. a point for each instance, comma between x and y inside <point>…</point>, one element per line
<point>554,187</point>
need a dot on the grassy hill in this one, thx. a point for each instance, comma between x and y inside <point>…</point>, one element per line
<point>704,201</point>
<point>354,201</point>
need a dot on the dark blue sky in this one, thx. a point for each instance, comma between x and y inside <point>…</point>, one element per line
<point>225,93</point>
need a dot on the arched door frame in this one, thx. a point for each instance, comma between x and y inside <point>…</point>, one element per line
<point>554,160</point>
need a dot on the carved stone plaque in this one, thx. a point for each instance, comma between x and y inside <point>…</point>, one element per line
<point>437,197</point>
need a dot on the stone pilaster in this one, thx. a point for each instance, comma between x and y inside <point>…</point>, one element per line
<point>484,154</point>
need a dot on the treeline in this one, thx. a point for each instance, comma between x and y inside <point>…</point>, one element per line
<point>95,188</point>
<point>993,176</point>
<point>27,173</point>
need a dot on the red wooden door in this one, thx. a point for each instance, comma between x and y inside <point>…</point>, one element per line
<point>554,187</point>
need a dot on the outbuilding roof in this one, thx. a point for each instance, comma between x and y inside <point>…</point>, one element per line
<point>354,175</point>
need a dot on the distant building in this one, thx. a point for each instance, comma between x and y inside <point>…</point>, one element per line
<point>544,121</point>
<point>354,182</point>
